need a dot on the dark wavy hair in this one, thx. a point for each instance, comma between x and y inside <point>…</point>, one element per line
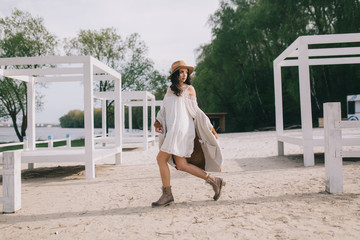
<point>175,82</point>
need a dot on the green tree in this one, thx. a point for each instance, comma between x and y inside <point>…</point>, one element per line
<point>234,71</point>
<point>128,56</point>
<point>75,119</point>
<point>21,35</point>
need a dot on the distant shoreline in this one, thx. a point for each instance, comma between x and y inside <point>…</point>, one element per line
<point>36,125</point>
<point>7,134</point>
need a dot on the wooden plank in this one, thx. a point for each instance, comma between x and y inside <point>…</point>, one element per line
<point>12,182</point>
<point>278,102</point>
<point>118,121</point>
<point>105,140</point>
<point>347,124</point>
<point>150,96</point>
<point>54,157</point>
<point>288,51</point>
<point>42,60</point>
<point>290,139</point>
<point>104,68</point>
<point>20,78</point>
<point>350,141</point>
<point>289,63</point>
<point>348,154</point>
<point>31,105</point>
<point>42,71</point>
<point>331,38</point>
<point>104,77</point>
<point>322,61</point>
<point>59,79</point>
<point>334,61</point>
<point>89,119</point>
<point>103,117</point>
<point>134,104</point>
<point>333,163</point>
<point>132,95</point>
<point>105,95</point>
<point>145,123</point>
<point>330,52</point>
<point>305,103</point>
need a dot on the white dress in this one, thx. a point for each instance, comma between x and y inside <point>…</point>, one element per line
<point>180,129</point>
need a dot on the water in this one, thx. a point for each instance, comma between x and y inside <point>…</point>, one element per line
<point>7,134</point>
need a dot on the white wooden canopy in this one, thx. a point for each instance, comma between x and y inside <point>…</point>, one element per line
<point>84,69</point>
<point>144,99</point>
<point>298,54</point>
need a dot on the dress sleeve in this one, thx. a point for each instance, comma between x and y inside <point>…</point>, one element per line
<point>191,105</point>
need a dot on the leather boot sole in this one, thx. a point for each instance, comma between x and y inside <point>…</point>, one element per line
<point>222,184</point>
<point>163,205</point>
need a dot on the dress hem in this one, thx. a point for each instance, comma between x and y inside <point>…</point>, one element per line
<point>170,152</point>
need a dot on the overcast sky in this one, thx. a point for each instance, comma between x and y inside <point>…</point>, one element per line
<point>171,29</point>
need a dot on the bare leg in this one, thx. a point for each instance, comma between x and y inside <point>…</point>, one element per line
<point>162,158</point>
<point>166,198</point>
<point>183,165</point>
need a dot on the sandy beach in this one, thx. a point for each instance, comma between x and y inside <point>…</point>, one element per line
<point>266,197</point>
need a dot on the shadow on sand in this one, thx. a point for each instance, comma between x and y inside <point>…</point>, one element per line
<point>136,210</point>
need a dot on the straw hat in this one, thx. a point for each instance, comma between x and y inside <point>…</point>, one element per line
<point>180,64</point>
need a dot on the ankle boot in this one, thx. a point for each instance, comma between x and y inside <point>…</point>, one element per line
<point>217,184</point>
<point>165,199</point>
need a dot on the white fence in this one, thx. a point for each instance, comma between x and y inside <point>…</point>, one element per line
<point>50,144</point>
<point>11,181</point>
<point>333,146</point>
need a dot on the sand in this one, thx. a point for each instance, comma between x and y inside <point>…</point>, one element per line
<point>266,197</point>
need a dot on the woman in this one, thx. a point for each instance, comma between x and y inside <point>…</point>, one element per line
<point>177,120</point>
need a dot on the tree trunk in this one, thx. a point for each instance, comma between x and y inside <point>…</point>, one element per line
<point>18,134</point>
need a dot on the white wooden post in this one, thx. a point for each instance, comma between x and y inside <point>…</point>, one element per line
<point>152,118</point>
<point>130,119</point>
<point>68,140</point>
<point>30,131</point>
<point>305,102</point>
<point>50,142</point>
<point>89,119</point>
<point>103,117</point>
<point>123,127</point>
<point>333,162</point>
<point>278,106</point>
<point>118,121</point>
<point>103,120</point>
<point>26,143</point>
<point>145,122</point>
<point>12,181</point>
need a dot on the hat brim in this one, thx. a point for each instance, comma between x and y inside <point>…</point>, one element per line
<point>191,70</point>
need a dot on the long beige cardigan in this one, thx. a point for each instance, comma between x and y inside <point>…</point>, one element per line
<point>209,144</point>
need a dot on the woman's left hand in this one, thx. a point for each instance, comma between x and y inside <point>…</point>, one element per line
<point>159,130</point>
<point>215,133</point>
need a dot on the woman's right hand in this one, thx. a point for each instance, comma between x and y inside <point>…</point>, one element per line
<point>159,130</point>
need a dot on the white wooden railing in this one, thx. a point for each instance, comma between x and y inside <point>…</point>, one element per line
<point>333,146</point>
<point>11,181</point>
<point>50,142</point>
